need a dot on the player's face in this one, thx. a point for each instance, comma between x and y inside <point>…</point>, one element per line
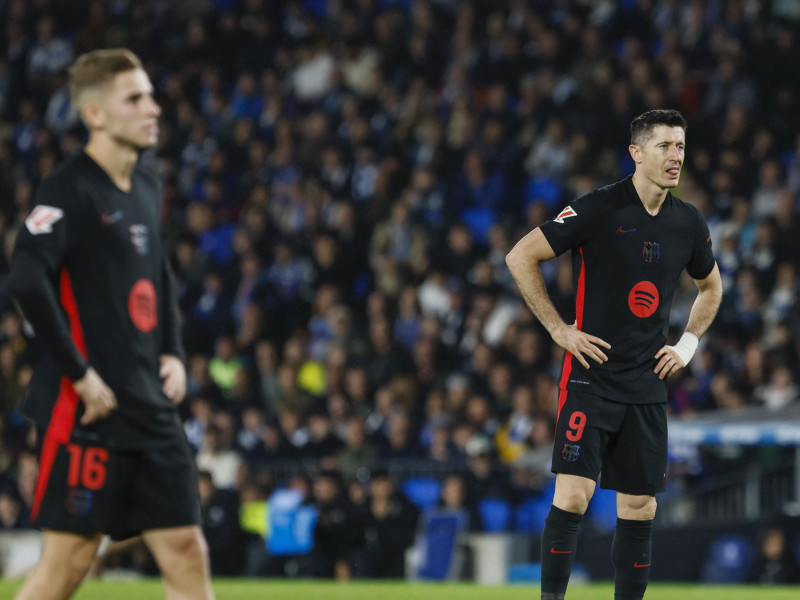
<point>660,159</point>
<point>131,112</point>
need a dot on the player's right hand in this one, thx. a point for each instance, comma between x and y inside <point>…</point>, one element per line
<point>98,399</point>
<point>578,343</point>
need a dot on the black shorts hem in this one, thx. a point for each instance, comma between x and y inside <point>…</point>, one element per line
<point>632,490</point>
<point>118,536</point>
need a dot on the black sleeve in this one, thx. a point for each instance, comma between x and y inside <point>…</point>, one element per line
<point>172,342</point>
<point>40,253</point>
<point>701,262</point>
<point>574,224</point>
<point>30,283</point>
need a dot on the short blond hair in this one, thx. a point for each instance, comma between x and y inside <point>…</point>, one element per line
<point>99,67</point>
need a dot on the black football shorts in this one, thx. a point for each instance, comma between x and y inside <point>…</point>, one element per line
<point>624,444</point>
<point>86,488</point>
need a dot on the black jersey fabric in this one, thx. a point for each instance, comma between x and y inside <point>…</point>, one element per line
<point>90,275</point>
<point>626,265</point>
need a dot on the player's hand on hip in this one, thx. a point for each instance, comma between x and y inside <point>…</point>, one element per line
<point>174,375</point>
<point>97,397</point>
<point>669,362</point>
<point>581,345</point>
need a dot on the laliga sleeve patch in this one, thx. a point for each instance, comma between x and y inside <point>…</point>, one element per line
<point>565,214</point>
<point>42,219</point>
<point>142,305</point>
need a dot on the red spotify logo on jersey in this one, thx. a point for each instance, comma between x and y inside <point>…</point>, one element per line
<point>142,305</point>
<point>643,299</point>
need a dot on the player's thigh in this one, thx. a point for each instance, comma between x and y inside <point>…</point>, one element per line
<point>166,494</point>
<point>68,550</point>
<point>177,548</point>
<point>636,461</point>
<point>585,423</point>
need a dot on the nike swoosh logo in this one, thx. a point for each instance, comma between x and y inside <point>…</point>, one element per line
<point>554,551</point>
<point>110,219</point>
<point>636,565</point>
<point>621,231</point>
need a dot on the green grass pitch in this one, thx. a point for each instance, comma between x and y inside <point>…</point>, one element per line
<point>242,589</point>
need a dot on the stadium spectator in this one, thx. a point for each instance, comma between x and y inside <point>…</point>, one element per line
<point>219,510</point>
<point>218,458</point>
<point>774,563</point>
<point>337,532</point>
<point>390,522</point>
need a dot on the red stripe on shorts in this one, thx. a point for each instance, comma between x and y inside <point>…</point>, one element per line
<point>62,419</point>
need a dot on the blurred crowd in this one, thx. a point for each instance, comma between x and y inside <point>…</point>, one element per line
<point>342,182</point>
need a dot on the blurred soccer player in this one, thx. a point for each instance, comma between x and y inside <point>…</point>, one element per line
<point>630,241</point>
<point>90,274</point>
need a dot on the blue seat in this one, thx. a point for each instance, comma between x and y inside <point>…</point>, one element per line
<point>530,515</point>
<point>439,543</point>
<point>424,492</point>
<point>603,509</point>
<point>728,560</point>
<point>544,189</point>
<point>479,221</point>
<point>495,514</point>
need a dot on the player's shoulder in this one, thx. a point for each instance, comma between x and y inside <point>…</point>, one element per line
<point>61,186</point>
<point>599,198</point>
<point>686,210</point>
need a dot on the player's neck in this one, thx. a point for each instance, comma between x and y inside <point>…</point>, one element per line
<point>651,195</point>
<point>116,160</point>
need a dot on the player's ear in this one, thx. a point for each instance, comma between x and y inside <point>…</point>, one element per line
<point>92,112</point>
<point>636,153</point>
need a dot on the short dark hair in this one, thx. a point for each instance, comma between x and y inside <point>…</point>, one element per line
<point>642,126</point>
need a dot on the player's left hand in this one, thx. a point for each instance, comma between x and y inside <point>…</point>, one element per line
<point>669,362</point>
<point>174,375</point>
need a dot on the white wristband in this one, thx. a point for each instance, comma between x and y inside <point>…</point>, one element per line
<point>686,347</point>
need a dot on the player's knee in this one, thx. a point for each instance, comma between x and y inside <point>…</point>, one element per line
<point>190,549</point>
<point>638,508</point>
<point>574,500</point>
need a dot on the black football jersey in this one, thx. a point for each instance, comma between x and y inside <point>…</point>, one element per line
<point>90,275</point>
<point>626,265</point>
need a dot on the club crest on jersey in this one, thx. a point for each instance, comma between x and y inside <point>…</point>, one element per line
<point>571,452</point>
<point>80,502</point>
<point>566,213</point>
<point>140,238</point>
<point>651,251</point>
<point>42,219</point>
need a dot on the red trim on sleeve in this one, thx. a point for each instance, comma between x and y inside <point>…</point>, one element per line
<point>62,419</point>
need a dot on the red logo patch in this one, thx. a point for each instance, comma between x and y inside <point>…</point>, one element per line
<point>643,299</point>
<point>142,305</point>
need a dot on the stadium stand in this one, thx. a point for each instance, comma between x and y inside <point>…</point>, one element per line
<point>343,180</point>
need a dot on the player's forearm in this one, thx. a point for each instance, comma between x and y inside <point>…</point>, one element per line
<point>531,285</point>
<point>28,283</point>
<point>172,340</point>
<point>704,310</point>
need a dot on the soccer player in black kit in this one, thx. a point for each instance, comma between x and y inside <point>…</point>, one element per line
<point>630,242</point>
<point>91,276</point>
